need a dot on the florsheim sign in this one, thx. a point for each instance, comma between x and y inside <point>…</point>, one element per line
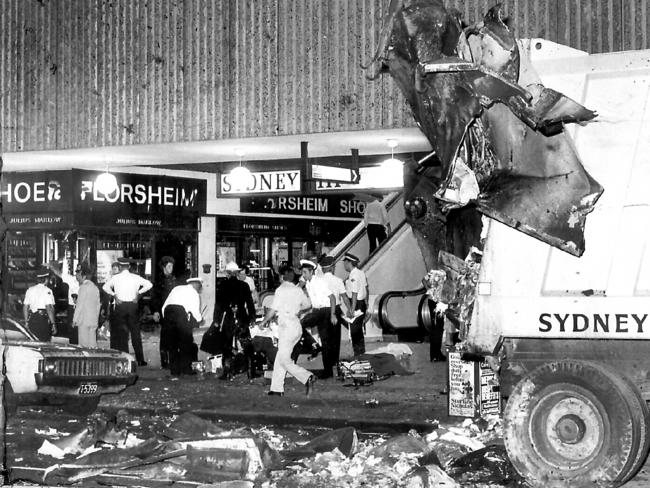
<point>341,205</point>
<point>70,198</point>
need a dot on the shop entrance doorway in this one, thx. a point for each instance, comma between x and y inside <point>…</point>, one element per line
<point>169,245</point>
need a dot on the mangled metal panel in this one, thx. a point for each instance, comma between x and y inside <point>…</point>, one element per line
<point>496,131</point>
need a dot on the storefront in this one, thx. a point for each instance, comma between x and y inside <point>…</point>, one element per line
<point>60,216</point>
<point>285,213</point>
<point>295,227</point>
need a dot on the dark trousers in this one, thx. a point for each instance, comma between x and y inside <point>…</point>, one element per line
<point>335,335</point>
<point>39,324</point>
<point>376,235</point>
<point>164,341</point>
<point>320,318</point>
<point>181,347</point>
<point>356,330</point>
<point>73,332</point>
<point>435,334</point>
<point>306,345</point>
<point>125,322</point>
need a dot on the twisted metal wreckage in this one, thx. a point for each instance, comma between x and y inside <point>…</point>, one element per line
<point>497,133</point>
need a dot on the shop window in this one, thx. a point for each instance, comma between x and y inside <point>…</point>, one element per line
<point>22,265</point>
<point>135,246</point>
<point>226,252</point>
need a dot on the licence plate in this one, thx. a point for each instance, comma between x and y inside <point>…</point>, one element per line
<point>88,388</point>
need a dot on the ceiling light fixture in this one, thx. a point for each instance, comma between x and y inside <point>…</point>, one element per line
<point>240,176</point>
<point>392,163</point>
<point>106,183</point>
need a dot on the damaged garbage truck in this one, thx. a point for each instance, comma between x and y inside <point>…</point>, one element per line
<point>556,196</point>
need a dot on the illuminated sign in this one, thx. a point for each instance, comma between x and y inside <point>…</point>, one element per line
<point>340,205</point>
<point>335,173</point>
<point>371,177</point>
<point>263,182</point>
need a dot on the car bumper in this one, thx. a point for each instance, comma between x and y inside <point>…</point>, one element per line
<point>71,386</point>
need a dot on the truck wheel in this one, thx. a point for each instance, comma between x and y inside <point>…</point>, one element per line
<point>642,413</point>
<point>80,406</point>
<point>574,424</point>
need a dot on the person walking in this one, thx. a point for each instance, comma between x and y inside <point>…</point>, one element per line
<point>234,313</point>
<point>86,313</point>
<point>127,288</point>
<point>182,313</point>
<point>161,290</point>
<point>337,287</point>
<point>322,314</point>
<point>288,301</point>
<point>356,287</point>
<point>38,308</point>
<point>375,218</point>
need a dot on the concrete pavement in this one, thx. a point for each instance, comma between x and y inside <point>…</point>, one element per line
<point>396,403</point>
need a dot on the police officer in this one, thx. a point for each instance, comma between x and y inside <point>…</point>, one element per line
<point>322,314</point>
<point>337,287</point>
<point>234,313</point>
<point>182,312</point>
<point>38,308</point>
<point>356,287</point>
<point>127,288</point>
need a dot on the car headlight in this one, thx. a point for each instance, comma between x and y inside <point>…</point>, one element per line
<point>119,368</point>
<point>50,368</point>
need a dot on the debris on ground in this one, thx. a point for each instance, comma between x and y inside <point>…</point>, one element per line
<point>194,450</point>
<point>344,440</point>
<point>487,465</point>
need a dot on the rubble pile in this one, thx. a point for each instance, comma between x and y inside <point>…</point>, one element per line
<point>196,452</point>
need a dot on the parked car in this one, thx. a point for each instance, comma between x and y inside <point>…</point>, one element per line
<point>75,377</point>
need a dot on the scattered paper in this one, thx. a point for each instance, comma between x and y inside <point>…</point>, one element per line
<point>49,449</point>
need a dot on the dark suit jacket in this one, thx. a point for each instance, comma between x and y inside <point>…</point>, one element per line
<point>231,294</point>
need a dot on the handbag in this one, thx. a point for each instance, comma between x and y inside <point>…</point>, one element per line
<point>212,338</point>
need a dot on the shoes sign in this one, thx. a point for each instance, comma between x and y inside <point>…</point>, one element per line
<point>63,198</point>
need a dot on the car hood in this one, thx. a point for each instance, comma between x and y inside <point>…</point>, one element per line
<point>47,348</point>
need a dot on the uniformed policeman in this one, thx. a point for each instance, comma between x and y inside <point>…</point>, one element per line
<point>182,312</point>
<point>322,314</point>
<point>356,287</point>
<point>127,288</point>
<point>38,308</point>
<point>337,287</point>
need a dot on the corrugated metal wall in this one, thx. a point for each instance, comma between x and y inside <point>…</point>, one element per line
<point>83,73</point>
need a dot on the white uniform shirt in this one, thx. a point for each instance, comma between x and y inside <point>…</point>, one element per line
<point>375,213</point>
<point>356,282</point>
<point>336,286</point>
<point>73,287</point>
<point>126,286</point>
<point>289,300</point>
<point>38,296</point>
<point>187,297</point>
<point>318,291</point>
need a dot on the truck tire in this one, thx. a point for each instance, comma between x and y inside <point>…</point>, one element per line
<point>641,411</point>
<point>575,424</point>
